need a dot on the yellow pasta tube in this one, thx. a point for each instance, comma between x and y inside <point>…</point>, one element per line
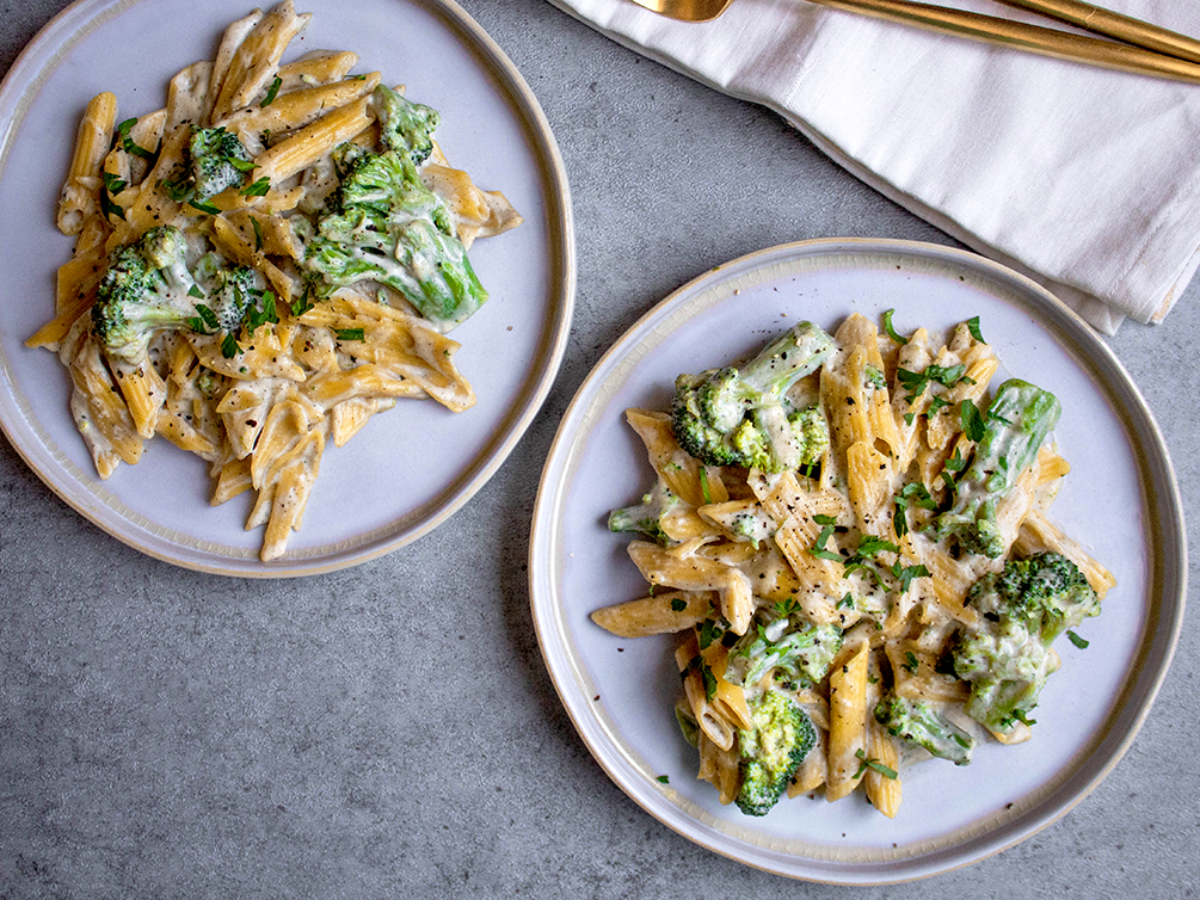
<point>847,724</point>
<point>316,68</point>
<point>883,790</point>
<point>81,191</point>
<point>663,613</point>
<point>306,146</point>
<point>253,65</point>
<point>297,108</point>
<point>696,573</point>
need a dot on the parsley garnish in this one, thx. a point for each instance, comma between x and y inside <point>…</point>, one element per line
<point>350,334</point>
<point>708,633</point>
<point>663,779</point>
<point>867,762</point>
<point>128,145</point>
<point>1077,640</point>
<point>818,549</point>
<point>916,382</point>
<point>272,92</point>
<point>891,332</point>
<point>108,206</point>
<point>710,681</point>
<point>267,315</point>
<point>678,605</point>
<point>203,207</point>
<point>242,165</point>
<point>787,607</point>
<point>846,602</point>
<point>257,189</point>
<point>907,574</point>
<point>911,663</point>
<point>229,347</point>
<point>973,327</point>
<point>303,303</point>
<point>208,317</point>
<point>194,291</point>
<point>972,421</point>
<point>258,237</point>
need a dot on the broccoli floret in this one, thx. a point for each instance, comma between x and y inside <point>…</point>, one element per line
<point>404,125</point>
<point>218,161</point>
<point>800,653</point>
<point>1017,422</point>
<point>148,287</point>
<point>733,416</point>
<point>919,723</point>
<point>646,517</point>
<point>1007,657</point>
<point>771,751</point>
<point>145,288</point>
<point>384,224</point>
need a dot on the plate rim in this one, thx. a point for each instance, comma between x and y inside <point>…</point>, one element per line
<point>22,84</point>
<point>1163,483</point>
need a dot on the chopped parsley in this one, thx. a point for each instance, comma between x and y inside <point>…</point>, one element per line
<point>229,347</point>
<point>973,327</point>
<point>108,206</point>
<point>350,334</point>
<point>678,604</point>
<point>866,762</point>
<point>663,779</point>
<point>911,663</point>
<point>1077,640</point>
<point>972,421</point>
<point>272,92</point>
<point>130,147</point>
<point>258,188</point>
<point>891,331</point>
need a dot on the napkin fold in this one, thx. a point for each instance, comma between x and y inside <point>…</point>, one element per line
<point>1086,180</point>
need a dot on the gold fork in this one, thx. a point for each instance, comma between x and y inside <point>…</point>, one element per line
<point>1147,49</point>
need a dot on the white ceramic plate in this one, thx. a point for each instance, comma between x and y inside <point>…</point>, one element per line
<point>410,468</point>
<point>1120,499</point>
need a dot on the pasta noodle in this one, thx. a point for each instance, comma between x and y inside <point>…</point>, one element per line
<point>212,298</point>
<point>891,597</point>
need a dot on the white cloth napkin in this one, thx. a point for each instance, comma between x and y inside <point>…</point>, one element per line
<point>1085,179</point>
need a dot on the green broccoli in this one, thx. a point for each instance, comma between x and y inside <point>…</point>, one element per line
<point>148,287</point>
<point>384,224</point>
<point>1018,420</point>
<point>917,722</point>
<point>802,654</point>
<point>771,751</point>
<point>404,125</point>
<point>646,517</point>
<point>1007,656</point>
<point>741,417</point>
<point>218,161</point>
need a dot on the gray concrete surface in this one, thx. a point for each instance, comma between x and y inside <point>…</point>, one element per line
<point>165,734</point>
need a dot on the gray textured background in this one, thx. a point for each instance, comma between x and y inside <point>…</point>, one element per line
<point>169,734</point>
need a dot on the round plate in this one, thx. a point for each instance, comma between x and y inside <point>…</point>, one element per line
<point>411,467</point>
<point>1120,500</point>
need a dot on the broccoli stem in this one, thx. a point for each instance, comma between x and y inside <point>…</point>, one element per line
<point>1018,421</point>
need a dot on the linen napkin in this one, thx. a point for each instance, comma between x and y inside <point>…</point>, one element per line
<point>1086,180</point>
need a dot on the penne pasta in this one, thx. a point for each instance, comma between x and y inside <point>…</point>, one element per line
<point>843,615</point>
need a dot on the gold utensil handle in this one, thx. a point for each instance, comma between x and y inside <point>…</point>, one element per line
<point>1033,38</point>
<point>1104,21</point>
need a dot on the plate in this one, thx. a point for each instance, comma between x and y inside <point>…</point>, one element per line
<point>410,469</point>
<point>1120,500</point>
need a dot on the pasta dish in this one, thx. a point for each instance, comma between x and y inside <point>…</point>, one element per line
<point>850,536</point>
<point>261,265</point>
